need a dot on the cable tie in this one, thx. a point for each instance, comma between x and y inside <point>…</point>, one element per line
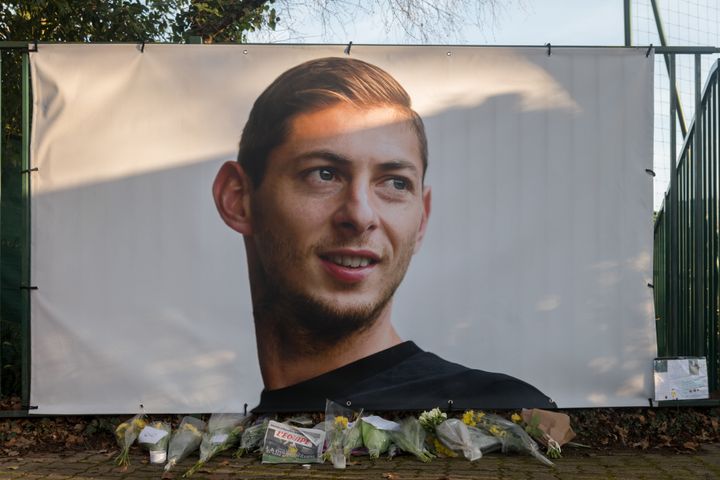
<point>549,48</point>
<point>347,49</point>
<point>647,54</point>
<point>29,170</point>
<point>142,47</point>
<point>650,172</point>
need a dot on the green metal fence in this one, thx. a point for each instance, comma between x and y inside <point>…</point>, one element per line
<point>687,236</point>
<point>15,111</point>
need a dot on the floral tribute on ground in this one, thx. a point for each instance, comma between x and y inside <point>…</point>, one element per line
<point>345,433</point>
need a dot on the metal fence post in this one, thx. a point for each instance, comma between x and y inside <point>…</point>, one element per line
<point>699,220</point>
<point>25,265</point>
<point>672,223</point>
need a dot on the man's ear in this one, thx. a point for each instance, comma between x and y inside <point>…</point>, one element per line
<point>427,201</point>
<point>231,190</point>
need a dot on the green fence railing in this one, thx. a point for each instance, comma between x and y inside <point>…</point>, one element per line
<point>687,238</point>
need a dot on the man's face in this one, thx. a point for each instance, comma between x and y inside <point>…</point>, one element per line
<point>341,208</point>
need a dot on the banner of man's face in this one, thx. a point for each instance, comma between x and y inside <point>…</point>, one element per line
<point>535,263</point>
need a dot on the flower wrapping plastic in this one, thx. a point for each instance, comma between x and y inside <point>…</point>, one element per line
<point>185,440</point>
<point>155,437</point>
<point>511,435</point>
<point>224,430</point>
<point>411,439</point>
<point>375,439</point>
<point>126,433</point>
<point>454,434</point>
<point>342,428</point>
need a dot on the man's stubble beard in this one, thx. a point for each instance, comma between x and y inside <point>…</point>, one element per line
<point>301,323</point>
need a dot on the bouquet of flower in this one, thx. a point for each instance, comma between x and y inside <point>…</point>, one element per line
<point>125,434</point>
<point>155,437</point>
<point>512,436</point>
<point>252,437</point>
<point>430,421</point>
<point>224,430</point>
<point>376,434</point>
<point>343,435</point>
<point>410,438</point>
<point>185,440</point>
<point>552,429</point>
<point>454,434</point>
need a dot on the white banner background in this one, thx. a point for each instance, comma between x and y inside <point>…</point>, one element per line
<point>535,264</point>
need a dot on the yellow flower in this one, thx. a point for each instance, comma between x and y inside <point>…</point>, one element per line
<point>442,449</point>
<point>469,418</point>
<point>497,431</point>
<point>192,428</point>
<point>516,418</point>
<point>341,421</point>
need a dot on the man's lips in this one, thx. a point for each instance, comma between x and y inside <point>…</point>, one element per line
<point>349,266</point>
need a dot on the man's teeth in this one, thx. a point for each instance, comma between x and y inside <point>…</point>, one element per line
<point>353,262</point>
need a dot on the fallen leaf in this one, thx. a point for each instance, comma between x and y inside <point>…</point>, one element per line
<point>691,445</point>
<point>644,444</point>
<point>391,476</point>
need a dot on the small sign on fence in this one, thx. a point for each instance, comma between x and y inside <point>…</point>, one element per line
<point>680,378</point>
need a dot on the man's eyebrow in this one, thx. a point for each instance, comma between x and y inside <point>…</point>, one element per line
<point>333,157</point>
<point>328,155</point>
<point>398,165</point>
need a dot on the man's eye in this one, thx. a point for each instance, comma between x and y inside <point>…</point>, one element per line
<point>399,184</point>
<point>325,174</point>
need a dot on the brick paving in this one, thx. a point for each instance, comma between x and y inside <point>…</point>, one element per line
<point>654,464</point>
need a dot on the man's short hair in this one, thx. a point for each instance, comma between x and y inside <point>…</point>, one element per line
<point>312,86</point>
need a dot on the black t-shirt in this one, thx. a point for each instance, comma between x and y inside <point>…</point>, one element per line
<point>404,377</point>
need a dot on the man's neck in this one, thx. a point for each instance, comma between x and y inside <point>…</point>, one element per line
<point>284,365</point>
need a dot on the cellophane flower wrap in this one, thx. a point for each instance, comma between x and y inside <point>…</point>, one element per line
<point>252,437</point>
<point>511,435</point>
<point>343,434</point>
<point>185,440</point>
<point>376,439</point>
<point>126,433</point>
<point>454,434</point>
<point>155,437</point>
<point>224,431</point>
<point>410,438</point>
<point>430,421</point>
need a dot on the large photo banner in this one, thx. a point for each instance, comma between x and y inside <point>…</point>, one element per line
<point>403,221</point>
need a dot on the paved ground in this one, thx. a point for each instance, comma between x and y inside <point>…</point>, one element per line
<point>704,464</point>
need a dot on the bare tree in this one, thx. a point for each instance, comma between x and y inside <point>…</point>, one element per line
<point>420,21</point>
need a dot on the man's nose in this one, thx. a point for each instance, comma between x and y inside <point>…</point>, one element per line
<point>357,213</point>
